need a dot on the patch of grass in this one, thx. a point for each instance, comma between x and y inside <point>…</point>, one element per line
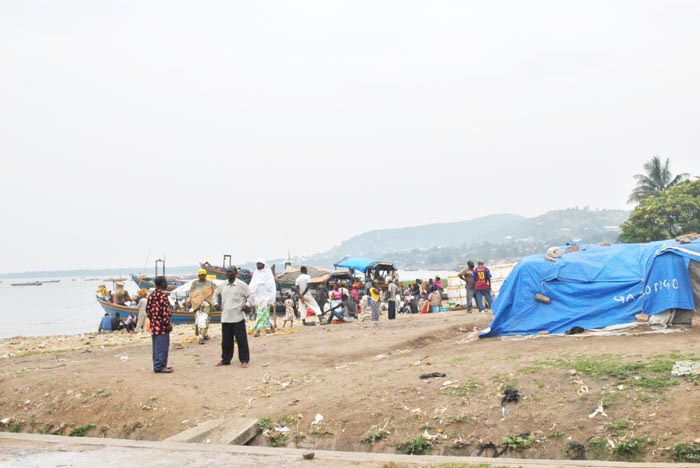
<point>374,435</point>
<point>128,428</point>
<point>685,452</point>
<point>558,435</point>
<point>619,426</point>
<point>263,424</point>
<point>461,390</point>
<point>418,446</point>
<point>630,449</point>
<point>277,439</point>
<point>14,425</point>
<point>288,420</point>
<point>80,431</point>
<point>319,431</point>
<point>597,448</point>
<point>102,393</point>
<point>457,419</point>
<point>518,442</point>
<point>656,384</point>
<point>506,381</point>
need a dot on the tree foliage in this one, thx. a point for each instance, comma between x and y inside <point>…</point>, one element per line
<point>658,178</point>
<point>669,214</point>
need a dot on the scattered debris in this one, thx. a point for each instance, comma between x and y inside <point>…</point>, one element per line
<point>308,455</point>
<point>317,419</point>
<point>510,395</point>
<point>686,368</point>
<point>433,375</point>
<point>576,451</point>
<point>542,298</point>
<point>598,410</point>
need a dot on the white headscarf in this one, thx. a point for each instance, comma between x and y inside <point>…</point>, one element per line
<point>263,284</point>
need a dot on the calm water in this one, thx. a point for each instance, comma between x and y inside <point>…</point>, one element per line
<point>69,306</point>
<point>65,308</point>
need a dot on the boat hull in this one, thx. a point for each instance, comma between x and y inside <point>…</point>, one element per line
<point>177,317</point>
<point>147,282</point>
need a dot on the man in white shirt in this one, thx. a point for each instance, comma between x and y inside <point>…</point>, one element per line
<point>306,300</point>
<point>234,299</point>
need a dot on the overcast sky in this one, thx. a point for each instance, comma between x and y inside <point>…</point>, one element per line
<point>203,128</point>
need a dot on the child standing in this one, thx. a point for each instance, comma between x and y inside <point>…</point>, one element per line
<point>288,311</point>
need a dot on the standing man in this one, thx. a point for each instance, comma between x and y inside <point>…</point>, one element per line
<point>482,285</point>
<point>234,298</point>
<point>467,275</point>
<point>201,299</point>
<point>392,291</point>
<point>142,301</point>
<point>306,300</point>
<point>158,311</point>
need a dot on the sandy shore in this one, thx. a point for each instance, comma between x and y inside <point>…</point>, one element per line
<point>365,382</point>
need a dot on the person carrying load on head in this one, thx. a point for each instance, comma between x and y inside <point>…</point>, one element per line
<point>201,300</point>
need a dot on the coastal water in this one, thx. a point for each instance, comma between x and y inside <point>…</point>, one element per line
<point>64,308</point>
<point>68,307</point>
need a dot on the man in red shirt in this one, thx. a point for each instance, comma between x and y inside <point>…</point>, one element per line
<point>158,312</point>
<point>482,285</point>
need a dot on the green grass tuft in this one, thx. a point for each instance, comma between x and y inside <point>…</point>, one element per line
<point>418,446</point>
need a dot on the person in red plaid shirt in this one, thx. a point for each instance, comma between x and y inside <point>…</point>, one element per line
<point>158,312</point>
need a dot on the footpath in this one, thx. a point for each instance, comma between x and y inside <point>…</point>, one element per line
<point>35,450</point>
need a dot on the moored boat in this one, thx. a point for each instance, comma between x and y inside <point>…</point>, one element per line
<point>29,283</point>
<point>220,272</point>
<point>178,316</point>
<point>148,282</point>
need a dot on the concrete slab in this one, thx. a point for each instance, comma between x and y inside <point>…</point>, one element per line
<point>36,450</point>
<point>233,431</point>
<point>197,433</point>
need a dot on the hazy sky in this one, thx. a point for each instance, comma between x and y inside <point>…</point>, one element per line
<point>203,128</point>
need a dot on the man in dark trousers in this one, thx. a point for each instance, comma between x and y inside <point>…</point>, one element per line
<point>234,299</point>
<point>158,312</point>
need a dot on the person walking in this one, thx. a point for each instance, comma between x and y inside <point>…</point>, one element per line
<point>233,298</point>
<point>264,288</point>
<point>467,275</point>
<point>306,300</point>
<point>482,285</point>
<point>158,312</point>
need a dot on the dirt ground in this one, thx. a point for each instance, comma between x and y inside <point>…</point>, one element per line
<point>365,383</point>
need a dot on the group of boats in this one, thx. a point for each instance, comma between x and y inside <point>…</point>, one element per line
<point>352,269</point>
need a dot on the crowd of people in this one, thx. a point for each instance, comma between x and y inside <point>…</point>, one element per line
<point>237,301</point>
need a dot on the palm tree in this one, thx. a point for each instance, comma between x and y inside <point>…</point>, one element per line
<point>658,178</point>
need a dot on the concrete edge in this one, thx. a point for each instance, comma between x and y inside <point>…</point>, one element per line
<point>67,442</point>
<point>196,433</point>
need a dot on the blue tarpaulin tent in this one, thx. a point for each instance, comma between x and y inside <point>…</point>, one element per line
<point>594,288</point>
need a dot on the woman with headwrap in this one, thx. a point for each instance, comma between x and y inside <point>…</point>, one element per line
<point>265,289</point>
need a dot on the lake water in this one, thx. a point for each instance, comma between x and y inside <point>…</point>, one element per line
<point>69,306</point>
<point>64,308</point>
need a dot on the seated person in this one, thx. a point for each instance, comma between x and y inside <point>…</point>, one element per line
<point>130,324</point>
<point>343,310</point>
<point>117,323</point>
<point>105,324</point>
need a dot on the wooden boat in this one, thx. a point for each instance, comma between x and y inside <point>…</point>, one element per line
<point>51,281</point>
<point>29,283</point>
<point>178,316</point>
<point>148,282</point>
<point>220,272</point>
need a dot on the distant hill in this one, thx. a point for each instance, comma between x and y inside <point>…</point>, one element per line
<point>495,238</point>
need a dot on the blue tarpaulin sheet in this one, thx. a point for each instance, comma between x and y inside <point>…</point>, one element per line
<point>356,263</point>
<point>594,288</point>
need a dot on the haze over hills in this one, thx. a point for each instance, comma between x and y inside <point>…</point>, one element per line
<point>495,238</point>
<point>501,237</point>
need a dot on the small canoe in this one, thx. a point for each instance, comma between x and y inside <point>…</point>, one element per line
<point>30,283</point>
